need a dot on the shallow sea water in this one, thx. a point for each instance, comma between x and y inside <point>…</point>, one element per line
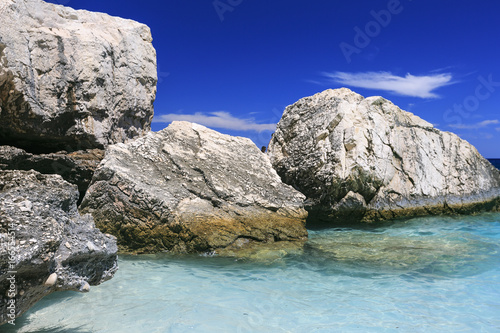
<point>437,274</point>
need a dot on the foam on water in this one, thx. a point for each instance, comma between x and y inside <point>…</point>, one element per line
<point>438,274</point>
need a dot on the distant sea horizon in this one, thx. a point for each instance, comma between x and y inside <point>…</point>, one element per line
<point>495,162</point>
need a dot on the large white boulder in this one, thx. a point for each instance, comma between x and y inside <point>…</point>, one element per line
<point>191,189</point>
<point>365,159</point>
<point>72,79</point>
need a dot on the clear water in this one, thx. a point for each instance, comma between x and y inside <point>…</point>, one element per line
<point>439,274</point>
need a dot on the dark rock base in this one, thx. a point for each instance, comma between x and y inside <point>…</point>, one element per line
<point>318,219</point>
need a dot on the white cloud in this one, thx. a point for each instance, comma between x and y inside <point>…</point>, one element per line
<point>442,69</point>
<point>219,119</point>
<point>410,85</point>
<point>481,124</point>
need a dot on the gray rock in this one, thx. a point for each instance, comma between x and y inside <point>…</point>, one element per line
<point>360,159</point>
<point>191,189</point>
<point>38,220</point>
<point>75,167</point>
<point>72,80</point>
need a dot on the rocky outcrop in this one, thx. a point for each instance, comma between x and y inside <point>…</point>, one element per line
<point>75,167</point>
<point>72,79</point>
<point>191,189</point>
<point>45,245</point>
<point>360,159</point>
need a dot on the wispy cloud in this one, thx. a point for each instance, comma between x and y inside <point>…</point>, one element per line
<point>497,129</point>
<point>410,85</point>
<point>219,119</point>
<point>442,69</point>
<point>482,124</point>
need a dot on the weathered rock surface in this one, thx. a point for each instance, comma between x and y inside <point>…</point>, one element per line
<point>360,159</point>
<point>191,189</point>
<point>72,79</point>
<point>45,245</point>
<point>75,167</point>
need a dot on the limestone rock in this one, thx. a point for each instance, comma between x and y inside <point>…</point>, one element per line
<point>190,189</point>
<point>360,159</point>
<point>38,219</point>
<point>75,167</point>
<point>72,79</point>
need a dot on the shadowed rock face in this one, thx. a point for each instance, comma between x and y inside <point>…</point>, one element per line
<point>191,189</point>
<point>76,167</point>
<point>366,160</point>
<point>45,243</point>
<point>72,80</point>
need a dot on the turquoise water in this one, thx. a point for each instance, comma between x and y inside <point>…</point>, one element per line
<point>439,274</point>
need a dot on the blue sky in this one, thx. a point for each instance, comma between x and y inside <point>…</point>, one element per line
<point>234,65</point>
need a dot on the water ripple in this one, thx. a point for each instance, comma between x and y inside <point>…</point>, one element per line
<point>438,274</point>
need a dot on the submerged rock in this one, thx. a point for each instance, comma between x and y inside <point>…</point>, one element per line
<point>75,167</point>
<point>264,253</point>
<point>366,160</point>
<point>44,242</point>
<point>434,246</point>
<point>191,189</point>
<point>72,79</point>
